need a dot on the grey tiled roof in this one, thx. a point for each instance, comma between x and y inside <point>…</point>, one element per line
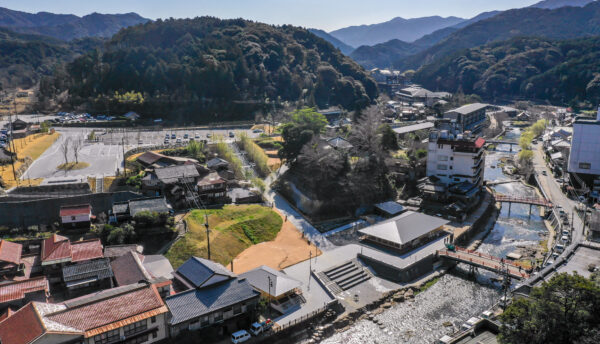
<point>194,303</point>
<point>470,108</point>
<point>95,268</point>
<point>202,272</point>
<point>157,205</point>
<point>172,174</point>
<point>404,228</point>
<point>280,282</point>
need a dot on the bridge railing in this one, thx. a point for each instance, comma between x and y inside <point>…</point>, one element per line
<point>468,258</point>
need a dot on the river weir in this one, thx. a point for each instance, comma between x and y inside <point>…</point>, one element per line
<point>458,295</point>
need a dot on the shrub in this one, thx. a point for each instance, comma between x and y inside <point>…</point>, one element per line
<point>255,153</point>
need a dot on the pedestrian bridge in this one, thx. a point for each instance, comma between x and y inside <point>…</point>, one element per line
<point>484,261</point>
<point>523,200</point>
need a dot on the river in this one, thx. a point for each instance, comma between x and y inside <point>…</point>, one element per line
<point>456,296</point>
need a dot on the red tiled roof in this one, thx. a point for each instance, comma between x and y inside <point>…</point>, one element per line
<point>22,327</point>
<point>17,290</point>
<point>10,252</point>
<point>73,210</point>
<point>86,250</point>
<point>56,247</point>
<point>92,315</point>
<point>8,313</point>
<point>128,269</point>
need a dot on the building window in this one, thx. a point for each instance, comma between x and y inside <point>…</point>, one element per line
<point>450,167</point>
<point>442,157</point>
<point>218,316</point>
<point>442,167</point>
<point>237,309</point>
<point>137,340</point>
<point>73,218</point>
<point>204,322</point>
<point>154,334</point>
<point>585,165</point>
<point>136,327</point>
<point>153,320</point>
<point>107,337</point>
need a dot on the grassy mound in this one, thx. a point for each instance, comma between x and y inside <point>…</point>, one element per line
<point>232,229</point>
<point>72,166</point>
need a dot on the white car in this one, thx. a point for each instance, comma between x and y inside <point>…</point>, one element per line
<point>240,337</point>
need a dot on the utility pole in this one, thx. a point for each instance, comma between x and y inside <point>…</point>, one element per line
<point>12,142</point>
<point>124,159</point>
<point>207,234</point>
<point>269,304</point>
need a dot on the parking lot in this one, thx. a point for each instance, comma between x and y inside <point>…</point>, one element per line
<point>105,156</point>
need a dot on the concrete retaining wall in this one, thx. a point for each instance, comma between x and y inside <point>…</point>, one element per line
<point>46,211</point>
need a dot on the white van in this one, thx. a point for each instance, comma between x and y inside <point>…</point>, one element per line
<point>240,337</point>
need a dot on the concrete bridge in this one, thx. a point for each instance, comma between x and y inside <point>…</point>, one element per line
<point>502,142</point>
<point>485,261</point>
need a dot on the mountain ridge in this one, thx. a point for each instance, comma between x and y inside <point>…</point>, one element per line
<point>407,30</point>
<point>68,26</point>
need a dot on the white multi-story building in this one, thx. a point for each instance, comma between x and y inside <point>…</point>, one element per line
<point>584,158</point>
<point>455,158</point>
<point>585,146</point>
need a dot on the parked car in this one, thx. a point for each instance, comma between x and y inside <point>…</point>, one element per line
<point>565,239</point>
<point>240,337</point>
<point>559,248</point>
<point>173,136</point>
<point>178,140</point>
<point>256,329</point>
<point>186,136</point>
<point>209,135</point>
<point>197,136</point>
<point>544,173</point>
<point>231,134</point>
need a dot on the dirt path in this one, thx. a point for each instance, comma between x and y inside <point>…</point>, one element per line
<point>287,249</point>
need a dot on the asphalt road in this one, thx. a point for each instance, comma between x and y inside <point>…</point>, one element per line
<point>555,194</point>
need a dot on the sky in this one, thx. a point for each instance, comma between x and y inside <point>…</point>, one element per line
<point>322,14</point>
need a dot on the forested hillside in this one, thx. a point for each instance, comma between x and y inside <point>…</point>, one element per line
<point>561,23</point>
<point>25,58</point>
<point>207,69</point>
<point>559,71</point>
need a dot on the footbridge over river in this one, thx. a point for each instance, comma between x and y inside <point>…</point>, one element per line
<point>485,261</point>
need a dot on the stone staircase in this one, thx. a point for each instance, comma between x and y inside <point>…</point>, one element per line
<point>99,185</point>
<point>344,276</point>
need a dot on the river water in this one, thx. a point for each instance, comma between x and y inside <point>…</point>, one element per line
<point>456,296</point>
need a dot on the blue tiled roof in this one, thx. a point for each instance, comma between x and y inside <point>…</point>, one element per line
<point>202,272</point>
<point>194,303</point>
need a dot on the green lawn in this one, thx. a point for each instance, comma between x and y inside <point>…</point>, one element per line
<point>233,229</point>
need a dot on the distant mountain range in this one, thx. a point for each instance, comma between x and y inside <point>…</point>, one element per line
<point>386,54</point>
<point>344,48</point>
<point>560,23</point>
<point>407,30</point>
<point>67,26</point>
<point>553,4</point>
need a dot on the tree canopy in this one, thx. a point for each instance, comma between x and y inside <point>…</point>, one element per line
<point>564,310</point>
<point>207,69</point>
<point>303,126</point>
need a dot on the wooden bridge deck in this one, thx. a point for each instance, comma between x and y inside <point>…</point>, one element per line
<point>523,200</point>
<point>485,261</point>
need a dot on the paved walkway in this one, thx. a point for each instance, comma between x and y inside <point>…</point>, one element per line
<point>310,232</point>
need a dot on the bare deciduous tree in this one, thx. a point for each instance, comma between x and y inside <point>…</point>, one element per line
<point>366,133</point>
<point>65,146</point>
<point>77,145</point>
